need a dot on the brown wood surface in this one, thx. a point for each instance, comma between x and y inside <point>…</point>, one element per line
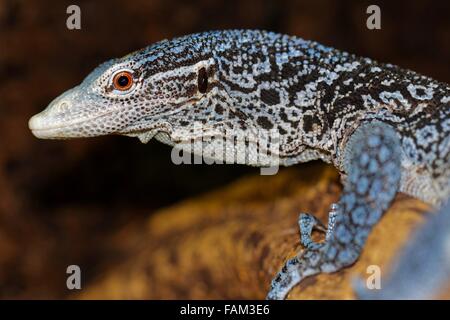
<point>229,243</point>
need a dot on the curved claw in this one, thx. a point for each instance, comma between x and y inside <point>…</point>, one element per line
<point>307,223</point>
<point>332,216</point>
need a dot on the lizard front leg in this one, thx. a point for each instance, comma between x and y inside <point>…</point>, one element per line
<point>372,162</point>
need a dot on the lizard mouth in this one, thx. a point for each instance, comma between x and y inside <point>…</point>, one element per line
<point>46,133</point>
<point>42,128</point>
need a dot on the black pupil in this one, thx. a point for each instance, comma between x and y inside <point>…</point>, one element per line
<point>123,81</point>
<point>202,80</point>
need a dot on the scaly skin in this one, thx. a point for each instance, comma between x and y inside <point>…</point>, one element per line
<point>384,128</point>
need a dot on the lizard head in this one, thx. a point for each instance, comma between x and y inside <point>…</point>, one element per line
<point>213,84</point>
<point>162,88</point>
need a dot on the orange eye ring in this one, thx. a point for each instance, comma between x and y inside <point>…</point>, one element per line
<point>123,81</point>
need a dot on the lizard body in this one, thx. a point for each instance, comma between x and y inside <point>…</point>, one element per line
<point>384,128</point>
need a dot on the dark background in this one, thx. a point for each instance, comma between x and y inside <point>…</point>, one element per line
<point>62,201</point>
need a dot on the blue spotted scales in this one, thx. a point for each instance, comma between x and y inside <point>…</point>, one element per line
<point>385,129</point>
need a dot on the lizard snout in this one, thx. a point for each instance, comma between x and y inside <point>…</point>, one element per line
<point>39,126</point>
<point>44,124</point>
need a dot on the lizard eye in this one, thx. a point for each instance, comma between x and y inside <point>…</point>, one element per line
<point>202,81</point>
<point>123,80</point>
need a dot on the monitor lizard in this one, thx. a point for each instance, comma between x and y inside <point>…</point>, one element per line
<point>384,128</point>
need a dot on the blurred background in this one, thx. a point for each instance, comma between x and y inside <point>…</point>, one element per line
<point>66,202</point>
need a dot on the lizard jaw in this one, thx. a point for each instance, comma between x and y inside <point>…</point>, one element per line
<point>43,126</point>
<point>40,128</point>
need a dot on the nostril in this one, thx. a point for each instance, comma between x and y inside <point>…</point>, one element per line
<point>63,106</point>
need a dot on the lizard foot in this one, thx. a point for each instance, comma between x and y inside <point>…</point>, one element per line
<point>308,222</point>
<point>372,161</point>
